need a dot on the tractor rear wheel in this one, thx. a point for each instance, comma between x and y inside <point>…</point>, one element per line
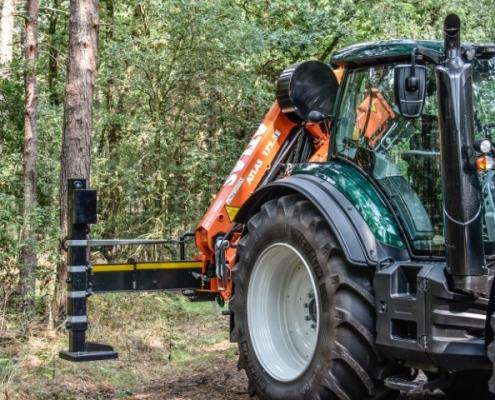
<point>304,318</point>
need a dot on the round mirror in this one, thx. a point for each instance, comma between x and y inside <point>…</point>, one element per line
<point>305,87</point>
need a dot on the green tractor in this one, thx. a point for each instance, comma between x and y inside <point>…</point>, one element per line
<point>388,245</point>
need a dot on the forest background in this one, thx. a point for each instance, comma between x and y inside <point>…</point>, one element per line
<point>180,87</point>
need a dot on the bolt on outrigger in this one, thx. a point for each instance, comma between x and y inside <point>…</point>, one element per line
<point>354,238</point>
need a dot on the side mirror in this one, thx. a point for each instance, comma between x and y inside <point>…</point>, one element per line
<point>410,89</point>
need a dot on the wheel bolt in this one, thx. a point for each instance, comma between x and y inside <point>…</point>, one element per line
<point>308,318</point>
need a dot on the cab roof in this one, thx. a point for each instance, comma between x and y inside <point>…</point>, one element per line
<point>394,50</point>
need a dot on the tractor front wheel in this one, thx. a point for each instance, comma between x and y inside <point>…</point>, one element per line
<point>304,317</point>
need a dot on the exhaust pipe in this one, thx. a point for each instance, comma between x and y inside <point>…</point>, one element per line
<point>461,189</point>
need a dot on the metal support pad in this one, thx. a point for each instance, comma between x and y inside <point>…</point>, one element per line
<point>94,352</point>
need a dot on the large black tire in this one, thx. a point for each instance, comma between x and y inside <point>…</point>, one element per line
<point>345,363</point>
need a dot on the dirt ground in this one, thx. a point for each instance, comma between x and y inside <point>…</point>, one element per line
<point>213,383</point>
<point>217,385</point>
<point>169,349</point>
<point>228,385</point>
<point>205,382</point>
<point>208,384</point>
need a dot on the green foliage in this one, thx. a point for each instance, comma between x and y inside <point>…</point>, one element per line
<point>180,86</point>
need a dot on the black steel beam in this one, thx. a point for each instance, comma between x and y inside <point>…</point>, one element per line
<point>146,276</point>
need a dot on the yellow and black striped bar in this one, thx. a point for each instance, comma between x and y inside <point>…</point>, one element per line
<point>145,276</point>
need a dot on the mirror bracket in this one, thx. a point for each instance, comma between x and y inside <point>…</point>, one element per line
<point>412,81</point>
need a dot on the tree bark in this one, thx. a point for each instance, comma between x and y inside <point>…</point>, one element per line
<point>78,100</point>
<point>53,55</point>
<point>30,181</point>
<point>6,34</point>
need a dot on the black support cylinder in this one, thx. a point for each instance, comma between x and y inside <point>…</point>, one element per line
<point>461,191</point>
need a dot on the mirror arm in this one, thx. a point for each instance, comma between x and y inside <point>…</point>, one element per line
<point>431,55</point>
<point>418,54</point>
<point>412,81</point>
<point>413,62</point>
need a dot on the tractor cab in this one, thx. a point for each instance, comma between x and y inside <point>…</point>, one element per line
<point>400,154</point>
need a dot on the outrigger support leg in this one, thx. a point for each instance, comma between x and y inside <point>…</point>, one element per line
<point>81,204</point>
<point>84,279</point>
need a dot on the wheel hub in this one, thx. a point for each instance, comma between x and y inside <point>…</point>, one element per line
<point>312,311</point>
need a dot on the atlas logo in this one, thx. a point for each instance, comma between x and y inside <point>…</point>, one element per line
<point>241,164</point>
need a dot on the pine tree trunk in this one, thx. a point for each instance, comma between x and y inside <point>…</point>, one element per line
<point>78,99</point>
<point>28,252</point>
<point>6,34</point>
<point>53,55</point>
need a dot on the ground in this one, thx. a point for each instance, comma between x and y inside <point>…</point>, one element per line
<point>169,349</point>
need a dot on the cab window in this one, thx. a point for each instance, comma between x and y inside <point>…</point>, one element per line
<point>401,155</point>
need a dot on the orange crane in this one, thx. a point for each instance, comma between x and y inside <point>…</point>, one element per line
<point>289,123</point>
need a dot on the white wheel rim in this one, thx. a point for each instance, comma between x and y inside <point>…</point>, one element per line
<point>283,312</point>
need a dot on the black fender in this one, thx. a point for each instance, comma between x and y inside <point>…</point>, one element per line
<point>356,239</point>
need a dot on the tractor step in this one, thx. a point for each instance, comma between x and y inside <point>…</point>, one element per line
<point>94,352</point>
<point>413,385</point>
<point>404,385</point>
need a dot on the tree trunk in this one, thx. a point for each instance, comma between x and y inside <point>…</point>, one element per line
<point>53,55</point>
<point>28,253</point>
<point>6,34</point>
<point>78,99</point>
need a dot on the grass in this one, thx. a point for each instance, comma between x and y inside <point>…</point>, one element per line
<point>156,335</point>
